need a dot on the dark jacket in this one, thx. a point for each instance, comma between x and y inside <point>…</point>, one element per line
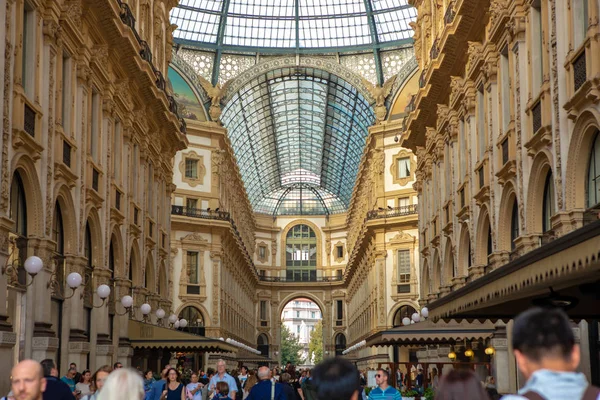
<point>289,391</point>
<point>57,390</point>
<point>262,391</point>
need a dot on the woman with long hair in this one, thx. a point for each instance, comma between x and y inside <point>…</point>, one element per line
<point>123,384</point>
<point>460,384</point>
<point>250,382</point>
<point>173,389</point>
<point>83,386</point>
<point>98,380</point>
<point>148,380</point>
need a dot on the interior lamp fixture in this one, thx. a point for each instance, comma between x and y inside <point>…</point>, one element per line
<point>160,313</point>
<point>74,281</point>
<point>490,350</point>
<point>469,353</point>
<point>33,265</point>
<point>405,321</point>
<point>183,323</point>
<point>127,303</point>
<point>452,355</point>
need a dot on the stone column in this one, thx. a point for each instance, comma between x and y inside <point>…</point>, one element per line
<point>74,316</point>
<point>381,317</point>
<point>500,361</point>
<point>8,338</point>
<point>123,350</point>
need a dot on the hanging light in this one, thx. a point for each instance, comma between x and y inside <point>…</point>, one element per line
<point>425,312</point>
<point>405,321</point>
<point>469,353</point>
<point>416,317</point>
<point>172,318</point>
<point>452,355</point>
<point>490,350</point>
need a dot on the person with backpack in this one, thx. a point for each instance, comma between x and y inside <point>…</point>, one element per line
<point>547,355</point>
<point>266,389</point>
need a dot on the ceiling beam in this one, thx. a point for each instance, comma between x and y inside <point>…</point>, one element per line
<point>375,40</point>
<point>220,34</point>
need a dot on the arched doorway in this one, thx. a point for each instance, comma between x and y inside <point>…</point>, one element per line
<point>340,344</point>
<point>401,313</point>
<point>301,333</point>
<point>262,344</point>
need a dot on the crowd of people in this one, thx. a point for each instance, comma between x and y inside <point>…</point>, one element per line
<point>543,342</point>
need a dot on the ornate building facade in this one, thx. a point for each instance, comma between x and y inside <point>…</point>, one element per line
<point>88,137</point>
<point>505,128</point>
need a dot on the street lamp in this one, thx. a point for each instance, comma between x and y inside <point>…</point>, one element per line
<point>33,265</point>
<point>74,281</point>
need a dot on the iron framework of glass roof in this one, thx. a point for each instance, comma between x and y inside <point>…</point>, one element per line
<point>298,135</point>
<point>294,26</point>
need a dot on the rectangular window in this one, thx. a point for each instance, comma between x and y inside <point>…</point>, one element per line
<point>404,202</point>
<point>262,252</point>
<point>340,251</point>
<point>297,314</point>
<point>192,264</point>
<point>66,94</point>
<point>191,168</point>
<point>28,50</point>
<point>537,66</point>
<point>150,189</point>
<point>403,266</point>
<point>339,273</point>
<point>261,272</point>
<point>117,151</point>
<point>312,314</point>
<point>481,136</point>
<point>191,204</point>
<point>505,89</point>
<point>339,309</point>
<point>135,161</point>
<point>263,310</point>
<point>95,134</point>
<point>463,150</point>
<point>298,329</point>
<point>505,154</point>
<point>404,167</point>
<point>66,153</point>
<point>580,22</point>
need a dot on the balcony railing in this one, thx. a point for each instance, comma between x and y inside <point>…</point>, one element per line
<point>309,279</point>
<point>200,213</point>
<point>128,19</point>
<point>536,117</point>
<point>579,71</point>
<point>392,212</point>
<point>450,13</point>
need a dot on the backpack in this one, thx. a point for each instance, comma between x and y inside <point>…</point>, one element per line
<point>591,393</point>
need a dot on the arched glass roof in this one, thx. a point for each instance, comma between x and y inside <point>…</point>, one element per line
<point>298,135</point>
<point>293,25</point>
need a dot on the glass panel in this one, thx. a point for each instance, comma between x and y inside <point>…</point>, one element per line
<point>191,168</point>
<point>593,198</point>
<point>548,206</point>
<point>192,264</point>
<point>403,266</point>
<point>404,167</point>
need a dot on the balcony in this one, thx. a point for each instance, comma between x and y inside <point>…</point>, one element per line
<point>309,278</point>
<point>392,212</point>
<point>200,213</point>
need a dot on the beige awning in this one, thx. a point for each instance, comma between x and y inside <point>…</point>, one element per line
<point>142,335</point>
<point>430,332</point>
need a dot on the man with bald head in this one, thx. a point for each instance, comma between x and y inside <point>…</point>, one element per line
<point>265,389</point>
<point>28,382</point>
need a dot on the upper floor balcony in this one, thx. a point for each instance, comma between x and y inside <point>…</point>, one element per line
<point>391,212</point>
<point>200,213</point>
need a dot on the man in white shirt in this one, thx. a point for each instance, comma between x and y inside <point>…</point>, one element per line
<point>194,388</point>
<point>243,375</point>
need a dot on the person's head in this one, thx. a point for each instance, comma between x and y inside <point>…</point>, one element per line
<point>99,377</point>
<point>234,372</point>
<point>489,380</point>
<point>148,374</point>
<point>223,388</point>
<point>172,375</point>
<point>71,373</point>
<point>194,377</point>
<point>27,380</point>
<point>336,379</point>
<point>73,366</point>
<point>221,365</point>
<point>285,377</point>
<point>264,373</point>
<point>460,384</point>
<point>123,384</point>
<point>86,376</point>
<point>244,370</point>
<point>47,366</point>
<point>117,365</point>
<point>543,339</point>
<point>381,377</point>
<point>210,372</point>
<point>434,371</point>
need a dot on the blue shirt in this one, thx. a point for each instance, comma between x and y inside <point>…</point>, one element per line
<point>192,386</point>
<point>212,385</point>
<point>389,393</point>
<point>262,391</point>
<point>156,390</point>
<point>70,382</point>
<point>554,385</point>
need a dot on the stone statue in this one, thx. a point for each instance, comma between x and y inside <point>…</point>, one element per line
<point>380,93</point>
<point>216,94</point>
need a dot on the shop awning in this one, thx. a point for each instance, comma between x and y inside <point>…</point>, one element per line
<point>142,335</point>
<point>430,332</point>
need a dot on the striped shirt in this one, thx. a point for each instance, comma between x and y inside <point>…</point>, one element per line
<point>389,393</point>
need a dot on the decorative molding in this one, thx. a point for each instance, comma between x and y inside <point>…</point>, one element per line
<point>403,153</point>
<point>192,155</point>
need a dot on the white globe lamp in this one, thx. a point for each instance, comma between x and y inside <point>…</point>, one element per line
<point>183,323</point>
<point>145,308</point>
<point>160,313</point>
<point>74,280</point>
<point>416,317</point>
<point>172,318</point>
<point>33,265</point>
<point>103,291</point>
<point>176,324</point>
<point>425,312</point>
<point>405,321</point>
<point>127,301</point>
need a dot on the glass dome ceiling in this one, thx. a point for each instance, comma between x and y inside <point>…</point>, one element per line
<point>293,25</point>
<point>298,135</point>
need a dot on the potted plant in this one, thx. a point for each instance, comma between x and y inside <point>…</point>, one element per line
<point>429,394</point>
<point>410,395</point>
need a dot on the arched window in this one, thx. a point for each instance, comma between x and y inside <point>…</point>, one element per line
<point>402,312</point>
<point>490,246</point>
<point>192,315</point>
<point>548,205</point>
<point>262,344</point>
<point>301,253</point>
<point>57,230</point>
<point>131,266</point>
<point>593,186</point>
<point>111,259</point>
<point>88,245</point>
<point>340,344</point>
<point>18,205</point>
<point>514,225</point>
